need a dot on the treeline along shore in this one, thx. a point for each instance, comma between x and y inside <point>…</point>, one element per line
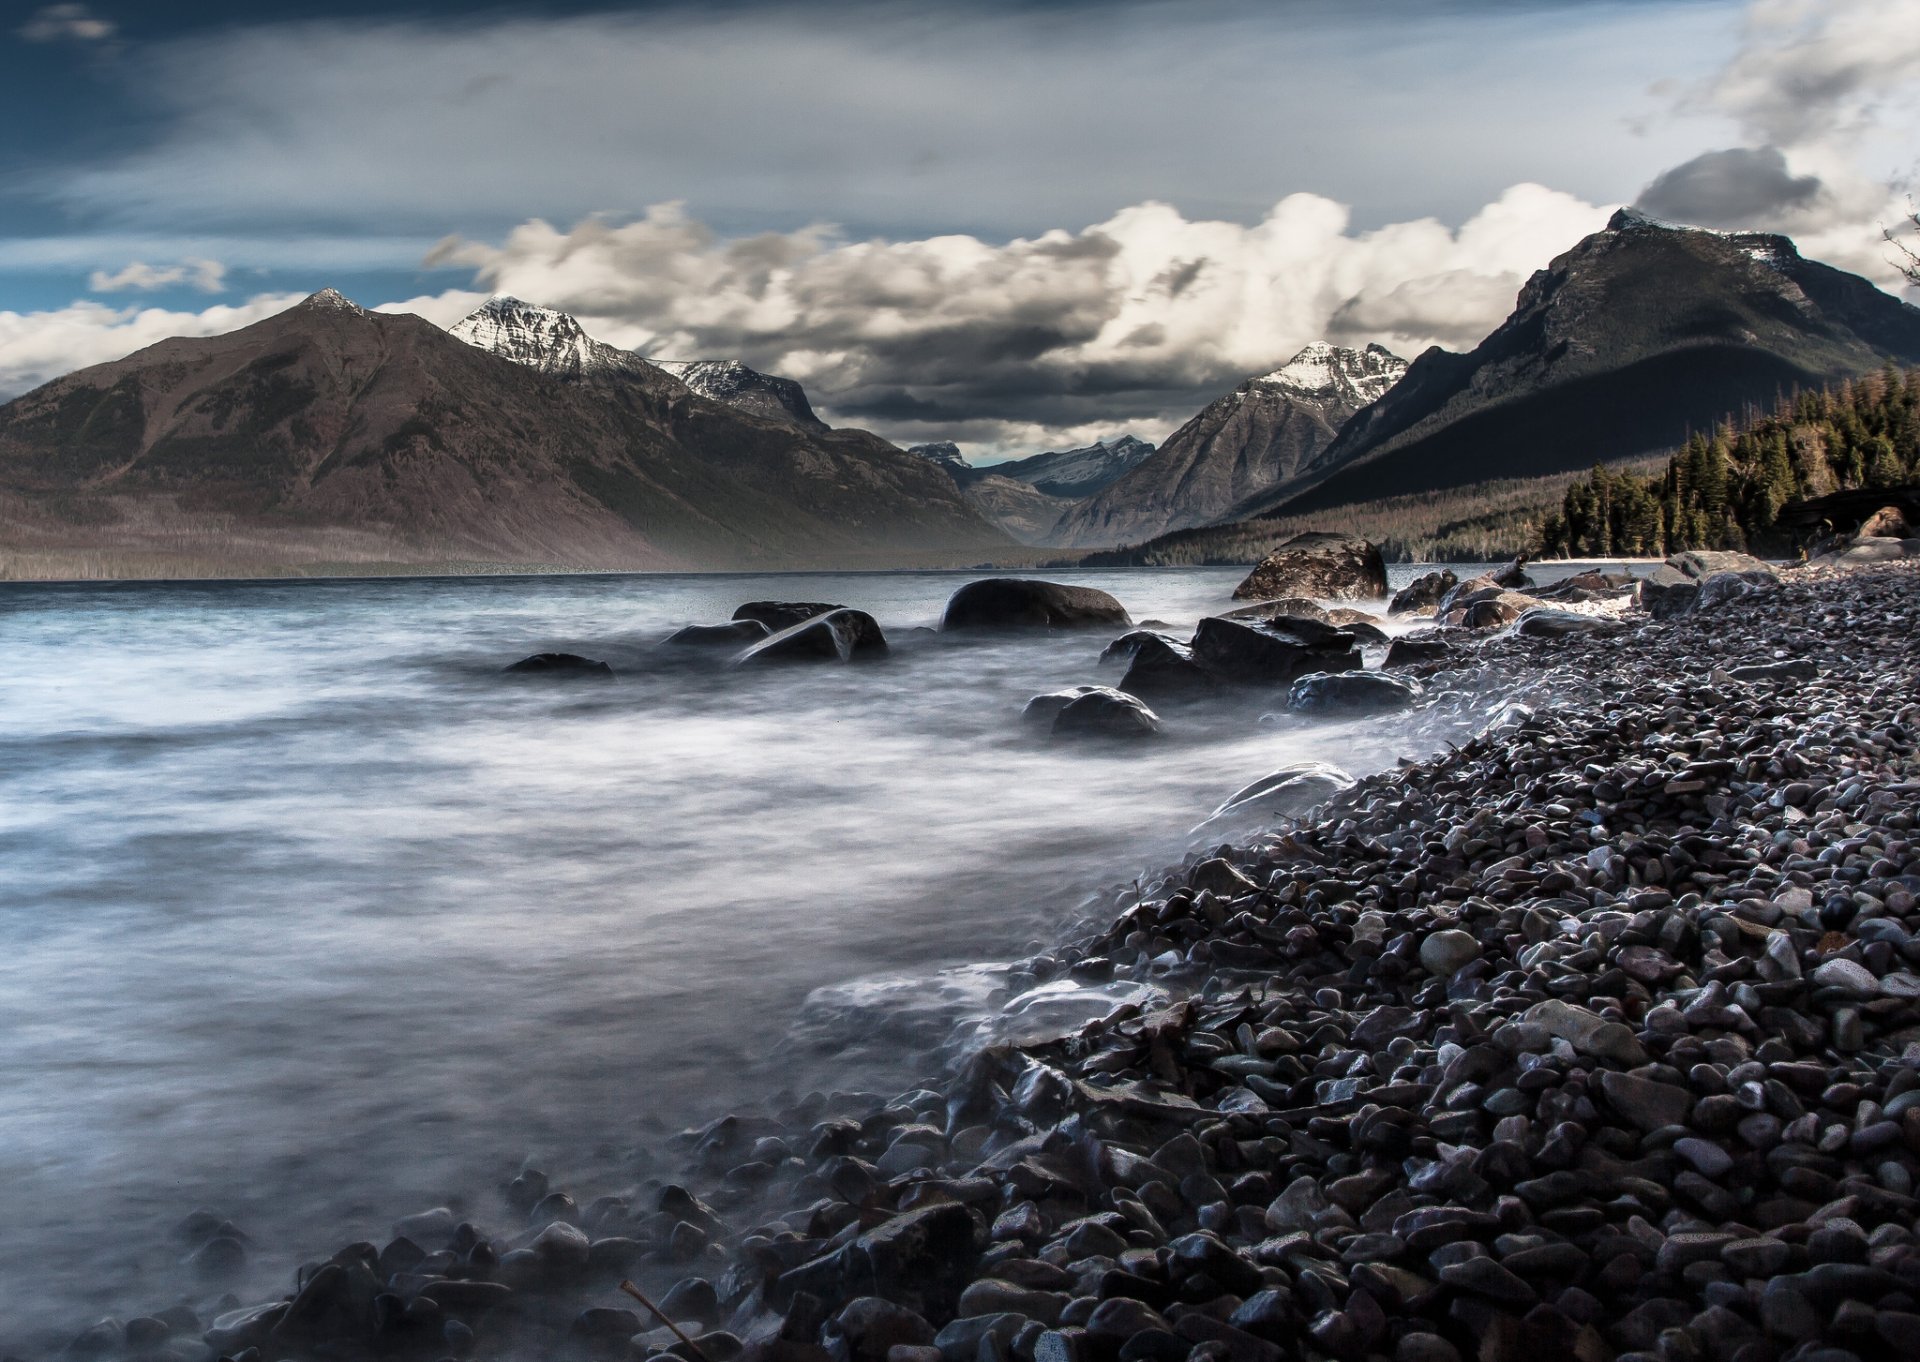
<point>1595,1035</point>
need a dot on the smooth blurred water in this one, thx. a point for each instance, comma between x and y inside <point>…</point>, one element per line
<point>311,917</point>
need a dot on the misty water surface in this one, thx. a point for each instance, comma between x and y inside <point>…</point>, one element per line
<point>311,918</point>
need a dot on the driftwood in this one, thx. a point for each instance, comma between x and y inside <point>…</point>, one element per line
<point>656,1312</point>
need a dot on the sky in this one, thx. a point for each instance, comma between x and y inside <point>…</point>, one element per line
<point>1018,224</point>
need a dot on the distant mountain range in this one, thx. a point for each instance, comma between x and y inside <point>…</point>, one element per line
<point>1251,443</point>
<point>329,434</point>
<point>1027,497</point>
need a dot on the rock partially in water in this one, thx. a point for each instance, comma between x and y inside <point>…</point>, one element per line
<point>1105,713</point>
<point>738,633</point>
<point>1546,623</point>
<point>1287,793</point>
<point>1044,709</point>
<point>1272,654</point>
<point>1320,566</point>
<point>1352,691</point>
<point>779,615</point>
<point>1164,670</point>
<point>1297,607</point>
<point>1128,645</point>
<point>1422,595</point>
<point>1023,603</point>
<point>837,636</point>
<point>560,666</point>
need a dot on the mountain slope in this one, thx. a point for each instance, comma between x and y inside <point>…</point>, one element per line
<point>1076,472</point>
<point>1639,335</point>
<point>328,432</point>
<point>731,382</point>
<point>1251,443</point>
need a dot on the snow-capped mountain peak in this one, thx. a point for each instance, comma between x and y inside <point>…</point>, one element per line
<point>730,381</point>
<point>945,453</point>
<point>1322,371</point>
<point>538,337</point>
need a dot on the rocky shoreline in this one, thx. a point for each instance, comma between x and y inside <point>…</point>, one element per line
<point>1598,1032</point>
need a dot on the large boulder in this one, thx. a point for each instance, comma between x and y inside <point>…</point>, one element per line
<point>1044,709</point>
<point>1335,567</point>
<point>1164,670</point>
<point>1105,713</point>
<point>1666,592</point>
<point>1421,596</point>
<point>1889,522</point>
<point>1491,611</point>
<point>1288,792</point>
<point>1591,585</point>
<point>1021,603</point>
<point>1703,579</point>
<point>568,666</point>
<point>779,615</point>
<point>1513,576</point>
<point>1701,564</point>
<point>1268,654</point>
<point>737,633</point>
<point>1353,691</point>
<point>837,636</point>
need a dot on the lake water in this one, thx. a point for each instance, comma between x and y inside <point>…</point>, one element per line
<point>310,917</point>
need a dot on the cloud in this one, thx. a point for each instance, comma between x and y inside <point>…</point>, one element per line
<point>1810,70</point>
<point>67,23</point>
<point>999,120</point>
<point>36,347</point>
<point>209,276</point>
<point>1138,319</point>
<point>1735,188</point>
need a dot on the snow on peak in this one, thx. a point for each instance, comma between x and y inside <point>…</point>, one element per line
<point>538,337</point>
<point>1324,371</point>
<point>333,300</point>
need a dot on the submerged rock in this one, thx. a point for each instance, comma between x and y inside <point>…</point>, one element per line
<point>560,665</point>
<point>1022,603</point>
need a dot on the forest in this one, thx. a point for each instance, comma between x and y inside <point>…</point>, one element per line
<point>1727,489</point>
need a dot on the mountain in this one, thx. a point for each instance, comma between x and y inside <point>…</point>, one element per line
<point>332,435</point>
<point>1077,472</point>
<point>554,343</point>
<point>541,338</point>
<point>947,454</point>
<point>1620,348</point>
<point>1252,443</point>
<point>730,381</point>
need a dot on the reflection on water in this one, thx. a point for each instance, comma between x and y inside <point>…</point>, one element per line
<point>311,918</point>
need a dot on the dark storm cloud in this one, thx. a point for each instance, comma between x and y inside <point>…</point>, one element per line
<point>1734,188</point>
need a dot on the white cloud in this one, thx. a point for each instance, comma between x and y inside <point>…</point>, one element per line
<point>1133,321</point>
<point>70,23</point>
<point>38,346</point>
<point>209,276</point>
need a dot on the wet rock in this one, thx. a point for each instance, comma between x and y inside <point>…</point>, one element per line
<point>1541,623</point>
<point>1162,670</point>
<point>1267,655</point>
<point>1020,603</point>
<point>1410,650</point>
<point>739,633</point>
<point>1105,713</point>
<point>1422,595</point>
<point>837,636</point>
<point>1351,692</point>
<point>1320,566</point>
<point>779,616</point>
<point>1646,1103</point>
<point>1288,792</point>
